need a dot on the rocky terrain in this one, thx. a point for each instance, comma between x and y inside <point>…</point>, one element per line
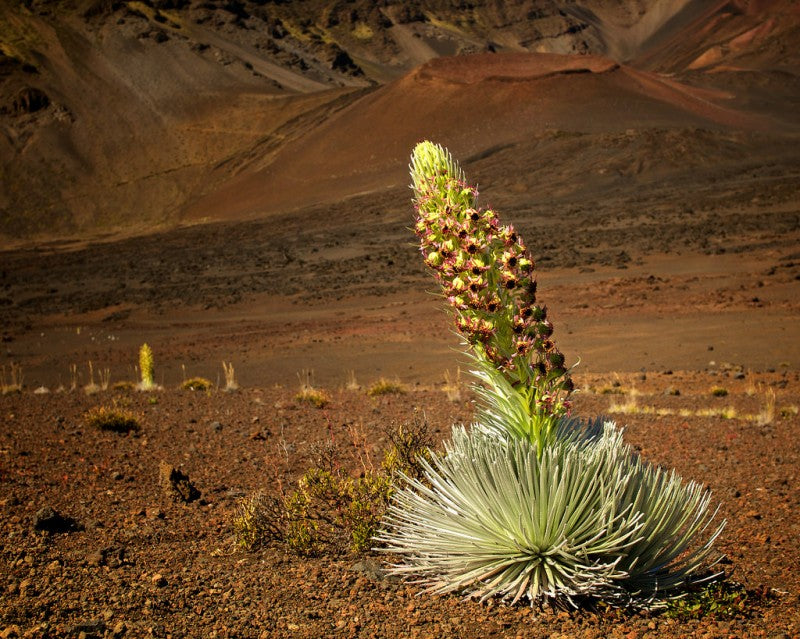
<point>227,182</point>
<point>130,117</point>
<point>96,543</point>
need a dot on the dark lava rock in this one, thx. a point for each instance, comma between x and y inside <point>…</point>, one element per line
<point>50,520</point>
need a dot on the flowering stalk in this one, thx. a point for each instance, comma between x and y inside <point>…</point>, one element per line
<point>487,276</point>
<point>146,367</point>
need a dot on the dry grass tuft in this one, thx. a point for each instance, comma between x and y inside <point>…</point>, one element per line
<point>197,384</point>
<point>452,387</point>
<point>112,418</point>
<point>352,384</point>
<point>767,414</point>
<point>308,393</point>
<point>386,387</point>
<point>230,377</point>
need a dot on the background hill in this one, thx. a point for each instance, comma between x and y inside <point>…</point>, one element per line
<point>130,117</point>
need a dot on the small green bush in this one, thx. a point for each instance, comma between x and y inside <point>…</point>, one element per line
<point>330,508</point>
<point>330,511</point>
<point>719,391</point>
<point>112,418</point>
<point>410,446</point>
<point>722,600</point>
<point>258,520</point>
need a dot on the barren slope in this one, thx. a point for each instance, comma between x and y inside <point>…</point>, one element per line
<point>473,104</point>
<point>134,116</point>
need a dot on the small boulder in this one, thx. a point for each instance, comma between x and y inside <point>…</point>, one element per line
<point>48,519</point>
<point>176,484</point>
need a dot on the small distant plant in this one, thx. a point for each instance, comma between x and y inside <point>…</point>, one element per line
<point>719,391</point>
<point>73,375</point>
<point>385,387</point>
<point>124,385</point>
<point>309,394</point>
<point>788,411</point>
<point>146,368</point>
<point>11,381</point>
<point>230,377</point>
<point>197,384</point>
<point>352,383</point>
<point>767,414</point>
<point>611,390</point>
<point>314,396</point>
<point>112,418</point>
<point>452,385</point>
<point>104,375</point>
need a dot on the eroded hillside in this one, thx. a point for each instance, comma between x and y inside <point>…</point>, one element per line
<point>142,114</point>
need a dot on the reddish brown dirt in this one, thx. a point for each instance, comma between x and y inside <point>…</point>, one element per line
<point>662,212</point>
<point>140,564</point>
<point>276,300</point>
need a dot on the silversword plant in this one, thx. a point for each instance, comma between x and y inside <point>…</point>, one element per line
<point>530,503</point>
<point>146,367</point>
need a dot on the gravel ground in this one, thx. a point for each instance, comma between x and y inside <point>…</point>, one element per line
<point>94,545</point>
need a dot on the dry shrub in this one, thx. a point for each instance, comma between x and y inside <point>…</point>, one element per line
<point>197,384</point>
<point>386,387</point>
<point>308,393</point>
<point>331,510</point>
<point>112,418</point>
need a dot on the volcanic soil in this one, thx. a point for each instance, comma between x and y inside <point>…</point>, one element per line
<point>661,210</point>
<point>125,558</point>
<point>661,309</point>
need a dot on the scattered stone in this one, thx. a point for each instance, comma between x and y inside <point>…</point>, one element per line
<point>739,375</point>
<point>112,556</point>
<point>216,426</point>
<point>25,587</point>
<point>49,520</point>
<point>158,580</point>
<point>370,568</point>
<point>176,484</point>
<point>93,628</point>
<point>96,558</point>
